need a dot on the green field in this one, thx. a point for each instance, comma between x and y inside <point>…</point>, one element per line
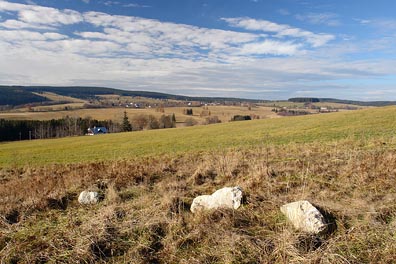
<point>357,124</point>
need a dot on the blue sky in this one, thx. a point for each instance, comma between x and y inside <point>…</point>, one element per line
<point>262,49</point>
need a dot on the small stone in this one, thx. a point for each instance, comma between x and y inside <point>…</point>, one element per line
<point>304,217</point>
<point>87,197</point>
<point>227,197</point>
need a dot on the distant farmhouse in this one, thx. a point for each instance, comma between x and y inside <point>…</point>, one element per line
<point>97,131</point>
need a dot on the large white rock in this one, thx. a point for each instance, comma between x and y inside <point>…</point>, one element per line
<point>87,197</point>
<point>304,216</point>
<point>227,197</point>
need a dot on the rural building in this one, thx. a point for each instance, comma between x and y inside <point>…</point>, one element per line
<point>96,131</point>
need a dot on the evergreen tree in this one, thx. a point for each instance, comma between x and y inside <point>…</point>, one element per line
<point>126,126</point>
<point>173,120</point>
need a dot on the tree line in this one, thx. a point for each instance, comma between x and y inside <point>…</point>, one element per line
<point>13,130</point>
<point>147,122</point>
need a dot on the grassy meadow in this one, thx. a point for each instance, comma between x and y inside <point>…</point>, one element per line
<point>344,163</point>
<point>245,134</point>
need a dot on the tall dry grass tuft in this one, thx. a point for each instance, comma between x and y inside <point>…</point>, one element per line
<point>145,217</point>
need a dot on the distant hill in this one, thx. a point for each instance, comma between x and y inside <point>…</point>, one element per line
<point>340,101</point>
<point>18,95</point>
<point>21,95</point>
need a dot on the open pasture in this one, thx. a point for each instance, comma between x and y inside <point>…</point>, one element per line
<point>356,124</point>
<point>342,162</point>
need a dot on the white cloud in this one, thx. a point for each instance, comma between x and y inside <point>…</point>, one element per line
<point>130,52</point>
<point>280,30</point>
<point>50,16</point>
<point>111,3</point>
<point>154,33</point>
<point>39,15</point>
<point>16,24</point>
<point>81,47</point>
<point>21,35</point>
<point>148,37</point>
<point>254,24</point>
<point>329,19</point>
<point>363,21</point>
<point>270,47</point>
<point>7,6</point>
<point>54,36</point>
<point>135,5</point>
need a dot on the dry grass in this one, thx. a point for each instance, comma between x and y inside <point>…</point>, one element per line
<point>225,113</point>
<point>58,97</point>
<point>145,216</point>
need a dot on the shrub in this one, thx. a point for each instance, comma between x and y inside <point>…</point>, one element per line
<point>191,122</point>
<point>241,118</point>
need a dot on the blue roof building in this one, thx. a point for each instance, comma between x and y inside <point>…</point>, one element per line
<point>97,131</point>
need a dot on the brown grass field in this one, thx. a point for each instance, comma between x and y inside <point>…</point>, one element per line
<point>76,108</point>
<point>56,97</point>
<point>145,217</point>
<point>225,113</point>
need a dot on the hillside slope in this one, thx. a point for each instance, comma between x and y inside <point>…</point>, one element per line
<point>344,163</point>
<point>340,101</point>
<point>27,94</point>
<point>356,124</point>
<point>18,96</point>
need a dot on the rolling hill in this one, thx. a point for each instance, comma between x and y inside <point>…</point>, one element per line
<point>18,95</point>
<point>302,129</point>
<point>340,101</point>
<point>343,163</point>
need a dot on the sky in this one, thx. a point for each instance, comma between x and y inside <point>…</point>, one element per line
<point>257,49</point>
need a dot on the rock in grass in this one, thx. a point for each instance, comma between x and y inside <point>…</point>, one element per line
<point>87,197</point>
<point>304,217</point>
<point>227,197</point>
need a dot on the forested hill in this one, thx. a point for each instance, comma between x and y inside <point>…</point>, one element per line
<point>340,101</point>
<point>20,95</point>
<point>17,95</point>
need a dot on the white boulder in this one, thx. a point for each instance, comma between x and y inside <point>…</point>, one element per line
<point>304,217</point>
<point>227,197</point>
<point>87,197</point>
